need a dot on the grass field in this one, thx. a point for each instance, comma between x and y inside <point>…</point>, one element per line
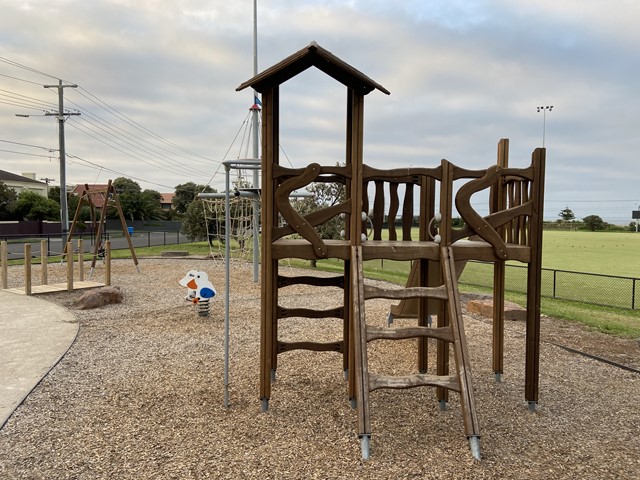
<point>608,253</point>
<point>603,253</point>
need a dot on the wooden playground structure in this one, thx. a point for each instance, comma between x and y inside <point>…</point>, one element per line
<point>88,196</point>
<point>108,198</point>
<point>46,287</point>
<point>511,231</point>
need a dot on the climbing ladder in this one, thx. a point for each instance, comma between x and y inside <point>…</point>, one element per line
<point>450,332</point>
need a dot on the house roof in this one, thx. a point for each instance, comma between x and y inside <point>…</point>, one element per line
<point>97,192</point>
<point>12,177</point>
<point>167,197</point>
<point>316,56</point>
<point>94,186</point>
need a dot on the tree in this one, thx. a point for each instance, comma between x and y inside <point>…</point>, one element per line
<point>136,204</point>
<point>187,193</point>
<point>151,207</point>
<point>8,198</point>
<point>194,224</point>
<point>54,193</point>
<point>31,206</point>
<point>566,214</point>
<point>593,222</point>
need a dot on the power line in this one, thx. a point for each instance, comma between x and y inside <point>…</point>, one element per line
<point>26,99</point>
<point>130,139</point>
<point>95,165</point>
<point>20,79</point>
<point>91,97</point>
<point>112,144</point>
<point>25,67</point>
<point>29,145</point>
<point>24,153</point>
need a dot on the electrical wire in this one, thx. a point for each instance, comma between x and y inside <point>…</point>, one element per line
<point>95,165</point>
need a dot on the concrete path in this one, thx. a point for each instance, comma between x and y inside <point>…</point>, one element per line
<point>34,335</point>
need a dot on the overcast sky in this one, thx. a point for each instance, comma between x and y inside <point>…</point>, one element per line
<point>157,78</point>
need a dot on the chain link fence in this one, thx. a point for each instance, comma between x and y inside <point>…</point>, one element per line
<point>592,288</point>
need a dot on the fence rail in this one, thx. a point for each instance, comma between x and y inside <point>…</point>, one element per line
<point>54,243</point>
<point>591,288</point>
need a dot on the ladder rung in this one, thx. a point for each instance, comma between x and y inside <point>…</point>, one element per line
<point>285,281</point>
<point>381,333</point>
<point>410,381</point>
<point>313,346</point>
<point>405,293</point>
<point>337,312</point>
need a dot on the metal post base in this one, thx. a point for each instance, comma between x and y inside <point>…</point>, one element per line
<point>443,405</point>
<point>532,406</point>
<point>364,446</point>
<point>389,319</point>
<point>474,444</point>
<point>264,404</point>
<point>273,375</point>
<point>498,377</point>
<point>346,374</point>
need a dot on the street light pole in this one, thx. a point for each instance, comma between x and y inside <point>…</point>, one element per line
<point>544,110</point>
<point>64,211</point>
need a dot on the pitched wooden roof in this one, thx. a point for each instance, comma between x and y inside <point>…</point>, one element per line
<point>316,56</point>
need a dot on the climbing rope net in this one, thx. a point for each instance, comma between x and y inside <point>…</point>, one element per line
<point>241,224</point>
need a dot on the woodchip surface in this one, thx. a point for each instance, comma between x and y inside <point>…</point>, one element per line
<point>140,396</point>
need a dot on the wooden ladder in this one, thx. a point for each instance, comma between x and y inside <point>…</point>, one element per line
<point>453,332</point>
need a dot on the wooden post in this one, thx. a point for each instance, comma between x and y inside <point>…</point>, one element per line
<point>534,281</point>
<point>44,262</point>
<point>446,208</point>
<point>3,259</point>
<point>69,249</point>
<point>107,263</point>
<point>499,267</point>
<point>80,260</point>
<point>27,269</point>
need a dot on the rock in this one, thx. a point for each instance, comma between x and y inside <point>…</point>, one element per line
<point>512,311</point>
<point>99,298</point>
<point>174,254</point>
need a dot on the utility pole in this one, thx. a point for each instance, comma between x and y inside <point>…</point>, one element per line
<point>47,180</point>
<point>60,114</point>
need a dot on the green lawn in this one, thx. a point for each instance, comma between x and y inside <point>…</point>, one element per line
<point>609,253</point>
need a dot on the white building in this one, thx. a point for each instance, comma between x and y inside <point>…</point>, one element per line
<point>26,181</point>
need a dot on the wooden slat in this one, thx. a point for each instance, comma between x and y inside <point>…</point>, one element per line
<point>378,210</point>
<point>411,381</point>
<point>312,346</point>
<point>301,248</point>
<point>400,250</point>
<point>284,281</point>
<point>337,312</point>
<point>405,293</point>
<point>407,212</point>
<point>381,333</point>
<point>394,204</point>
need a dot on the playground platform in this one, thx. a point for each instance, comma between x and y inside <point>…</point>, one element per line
<point>55,287</point>
<point>35,334</point>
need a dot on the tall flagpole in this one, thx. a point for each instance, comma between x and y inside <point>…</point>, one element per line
<point>256,146</point>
